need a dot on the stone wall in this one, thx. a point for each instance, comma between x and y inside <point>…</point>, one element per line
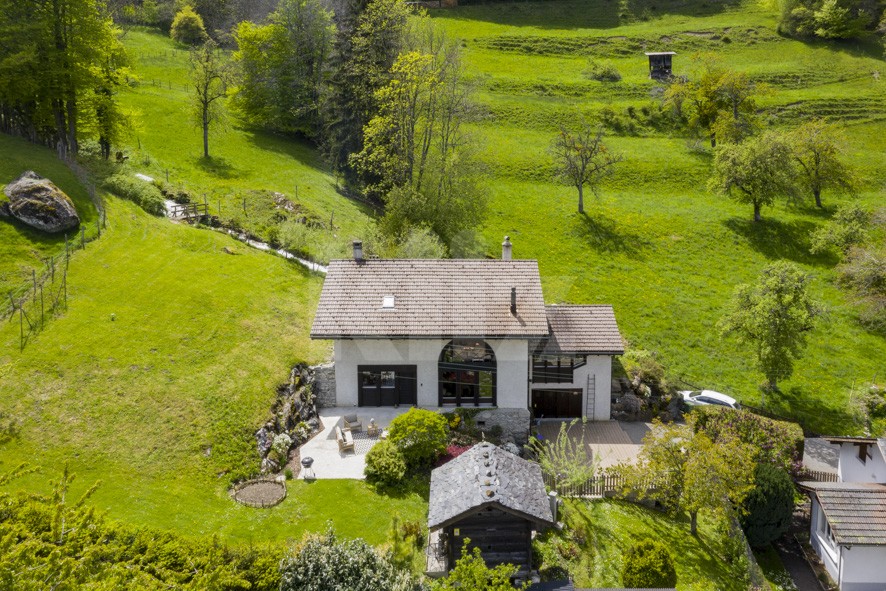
<point>324,385</point>
<point>514,423</point>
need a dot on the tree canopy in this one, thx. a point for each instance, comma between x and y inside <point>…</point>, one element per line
<point>756,172</point>
<point>816,148</point>
<point>582,159</point>
<point>773,317</point>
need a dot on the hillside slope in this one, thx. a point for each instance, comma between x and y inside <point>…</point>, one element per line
<point>656,244</point>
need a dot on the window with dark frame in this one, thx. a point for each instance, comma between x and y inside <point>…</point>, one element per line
<point>467,373</point>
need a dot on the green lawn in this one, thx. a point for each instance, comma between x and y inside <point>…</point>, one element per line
<point>156,377</point>
<point>598,532</point>
<point>657,245</point>
<point>242,159</point>
<point>774,570</point>
<point>23,249</point>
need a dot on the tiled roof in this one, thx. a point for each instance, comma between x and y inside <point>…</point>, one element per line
<point>432,298</point>
<point>583,329</point>
<point>855,511</point>
<point>487,475</point>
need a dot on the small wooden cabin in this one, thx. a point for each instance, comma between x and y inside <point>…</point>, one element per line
<point>660,64</point>
<point>493,498</point>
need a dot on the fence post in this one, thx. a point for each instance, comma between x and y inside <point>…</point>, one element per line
<point>98,228</point>
<point>41,305</point>
<point>52,268</point>
<point>83,237</point>
<point>21,330</point>
<point>34,279</point>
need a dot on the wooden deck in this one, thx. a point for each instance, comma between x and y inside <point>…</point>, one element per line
<point>609,441</point>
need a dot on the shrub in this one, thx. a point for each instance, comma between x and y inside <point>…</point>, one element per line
<point>385,464</point>
<point>323,562</point>
<point>187,27</point>
<point>776,442</point>
<point>648,564</point>
<point>645,370</point>
<point>769,505</point>
<point>420,434</point>
<point>281,445</point>
<point>602,72</point>
<point>143,194</point>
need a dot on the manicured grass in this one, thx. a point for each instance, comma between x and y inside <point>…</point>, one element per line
<point>657,244</point>
<point>23,248</point>
<point>242,159</point>
<point>156,377</point>
<point>604,529</point>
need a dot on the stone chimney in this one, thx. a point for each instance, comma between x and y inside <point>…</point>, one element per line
<point>514,301</point>
<point>506,249</point>
<point>358,250</point>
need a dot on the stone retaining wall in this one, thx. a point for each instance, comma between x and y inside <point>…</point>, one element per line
<point>324,385</point>
<point>514,423</point>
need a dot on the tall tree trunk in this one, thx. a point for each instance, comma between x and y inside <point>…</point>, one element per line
<point>693,523</point>
<point>581,199</point>
<point>757,217</point>
<point>713,141</point>
<point>205,135</point>
<point>71,107</point>
<point>817,193</point>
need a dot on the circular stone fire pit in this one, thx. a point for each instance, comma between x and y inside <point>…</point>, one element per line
<point>261,492</point>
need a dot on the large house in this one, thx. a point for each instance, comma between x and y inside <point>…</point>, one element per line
<point>463,332</point>
<point>848,525</point>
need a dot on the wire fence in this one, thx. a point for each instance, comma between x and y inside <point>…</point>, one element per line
<point>46,294</point>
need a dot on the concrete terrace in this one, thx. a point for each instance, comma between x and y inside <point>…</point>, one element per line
<point>613,442</point>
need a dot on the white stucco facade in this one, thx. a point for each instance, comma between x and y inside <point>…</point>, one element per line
<point>511,355</point>
<point>852,469</point>
<point>854,568</point>
<point>594,379</point>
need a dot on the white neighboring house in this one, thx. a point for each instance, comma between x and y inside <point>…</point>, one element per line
<point>848,526</point>
<point>463,332</point>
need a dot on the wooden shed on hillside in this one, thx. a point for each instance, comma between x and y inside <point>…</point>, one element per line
<point>493,498</point>
<point>660,64</point>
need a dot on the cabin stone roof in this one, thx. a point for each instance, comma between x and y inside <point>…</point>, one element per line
<point>487,476</point>
<point>855,511</point>
<point>430,298</point>
<point>582,329</point>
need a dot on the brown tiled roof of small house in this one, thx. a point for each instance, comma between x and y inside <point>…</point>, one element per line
<point>485,476</point>
<point>386,298</point>
<point>855,511</point>
<point>582,329</point>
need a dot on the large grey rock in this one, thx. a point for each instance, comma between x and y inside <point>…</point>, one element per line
<point>37,202</point>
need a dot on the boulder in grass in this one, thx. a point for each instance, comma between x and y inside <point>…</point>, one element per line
<point>37,202</point>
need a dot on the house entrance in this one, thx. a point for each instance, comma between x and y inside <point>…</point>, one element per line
<point>386,385</point>
<point>557,403</point>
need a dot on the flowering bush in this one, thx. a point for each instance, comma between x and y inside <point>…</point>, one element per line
<point>281,445</point>
<point>452,452</point>
<point>775,442</point>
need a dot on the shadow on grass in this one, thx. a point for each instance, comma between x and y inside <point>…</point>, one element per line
<point>578,14</point>
<point>811,412</point>
<point>605,235</point>
<point>217,167</point>
<point>415,484</point>
<point>776,239</point>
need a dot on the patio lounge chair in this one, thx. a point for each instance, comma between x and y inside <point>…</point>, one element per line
<point>352,423</point>
<point>345,441</point>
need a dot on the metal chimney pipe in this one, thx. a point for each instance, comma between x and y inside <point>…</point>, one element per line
<point>358,250</point>
<point>514,301</point>
<point>506,249</point>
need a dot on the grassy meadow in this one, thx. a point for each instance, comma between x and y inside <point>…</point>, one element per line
<point>656,243</point>
<point>156,377</point>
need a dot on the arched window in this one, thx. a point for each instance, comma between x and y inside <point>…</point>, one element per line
<point>466,373</point>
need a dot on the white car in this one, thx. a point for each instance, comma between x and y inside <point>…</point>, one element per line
<point>696,398</point>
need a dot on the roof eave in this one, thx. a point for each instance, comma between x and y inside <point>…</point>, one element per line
<point>497,505</point>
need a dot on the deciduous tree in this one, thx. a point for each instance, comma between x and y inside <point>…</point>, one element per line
<point>716,100</point>
<point>755,172</point>
<point>685,471</point>
<point>582,159</point>
<point>210,76</point>
<point>816,148</point>
<point>773,317</point>
<point>282,66</point>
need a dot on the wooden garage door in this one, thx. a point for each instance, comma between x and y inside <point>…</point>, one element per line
<point>386,385</point>
<point>556,403</point>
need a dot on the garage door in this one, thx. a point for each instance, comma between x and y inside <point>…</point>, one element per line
<point>386,385</point>
<point>556,403</point>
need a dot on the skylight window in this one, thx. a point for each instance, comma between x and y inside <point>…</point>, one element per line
<point>387,302</point>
